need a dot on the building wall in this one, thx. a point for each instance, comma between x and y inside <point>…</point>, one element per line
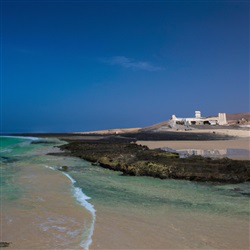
<point>220,120</point>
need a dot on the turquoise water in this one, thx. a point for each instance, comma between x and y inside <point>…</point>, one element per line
<point>13,151</point>
<point>10,149</point>
<point>115,191</point>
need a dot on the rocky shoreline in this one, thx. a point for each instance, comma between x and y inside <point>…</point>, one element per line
<point>119,152</point>
<point>137,160</point>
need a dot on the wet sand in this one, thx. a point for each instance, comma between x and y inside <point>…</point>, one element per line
<point>160,229</point>
<point>240,143</point>
<point>46,216</point>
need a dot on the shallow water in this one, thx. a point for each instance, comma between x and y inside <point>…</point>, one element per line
<point>41,205</point>
<point>41,209</point>
<point>148,213</point>
<point>213,153</point>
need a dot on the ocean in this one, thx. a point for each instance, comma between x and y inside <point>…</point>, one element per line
<point>90,207</point>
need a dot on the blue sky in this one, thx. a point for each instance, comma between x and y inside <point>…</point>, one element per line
<point>87,65</point>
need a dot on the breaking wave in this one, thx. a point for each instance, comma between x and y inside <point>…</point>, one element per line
<point>82,199</point>
<point>22,137</point>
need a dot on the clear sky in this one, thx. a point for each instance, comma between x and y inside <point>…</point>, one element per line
<point>87,65</point>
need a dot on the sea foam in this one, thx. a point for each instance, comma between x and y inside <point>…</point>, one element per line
<point>82,199</point>
<point>22,137</point>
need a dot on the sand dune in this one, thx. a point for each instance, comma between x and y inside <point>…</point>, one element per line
<point>111,131</point>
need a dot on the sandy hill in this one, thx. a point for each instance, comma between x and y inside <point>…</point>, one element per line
<point>238,116</point>
<point>155,126</point>
<point>163,126</point>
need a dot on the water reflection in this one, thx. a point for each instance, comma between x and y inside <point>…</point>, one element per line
<point>216,153</point>
<point>213,153</point>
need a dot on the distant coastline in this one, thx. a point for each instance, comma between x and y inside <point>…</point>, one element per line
<point>113,149</point>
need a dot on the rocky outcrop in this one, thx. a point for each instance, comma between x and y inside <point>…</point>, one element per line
<point>137,160</point>
<point>4,244</point>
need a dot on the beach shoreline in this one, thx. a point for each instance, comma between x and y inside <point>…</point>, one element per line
<point>236,131</point>
<point>43,211</point>
<point>125,227</point>
<point>165,133</point>
<point>40,206</point>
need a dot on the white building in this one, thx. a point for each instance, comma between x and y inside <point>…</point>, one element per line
<point>199,120</point>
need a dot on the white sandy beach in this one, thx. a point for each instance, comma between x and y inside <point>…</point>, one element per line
<point>111,131</point>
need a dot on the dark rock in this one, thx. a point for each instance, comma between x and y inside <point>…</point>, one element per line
<point>137,160</point>
<point>42,142</point>
<point>4,244</point>
<point>64,168</point>
<point>176,136</point>
<point>6,159</point>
